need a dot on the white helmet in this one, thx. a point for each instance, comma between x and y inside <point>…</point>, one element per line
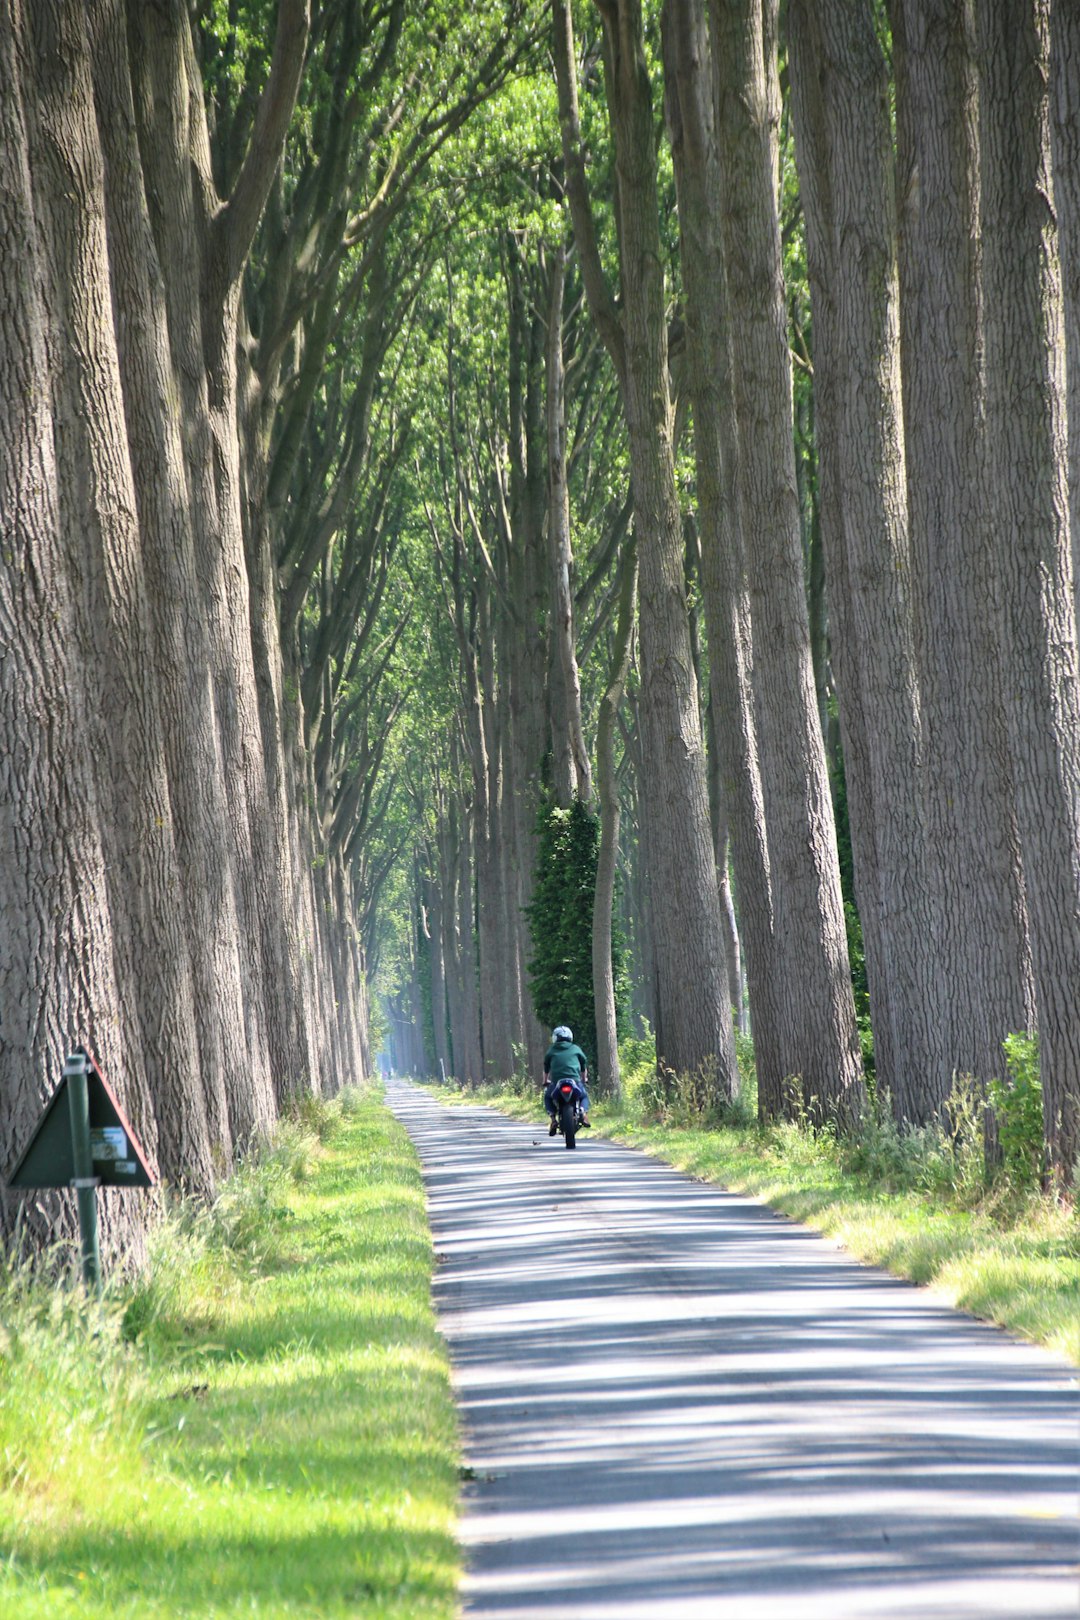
<point>561,1033</point>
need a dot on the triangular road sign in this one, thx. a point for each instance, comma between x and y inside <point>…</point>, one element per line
<point>48,1159</point>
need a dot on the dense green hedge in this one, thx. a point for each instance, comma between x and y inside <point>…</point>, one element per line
<point>560,925</point>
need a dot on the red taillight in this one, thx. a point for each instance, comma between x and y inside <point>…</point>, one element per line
<point>567,1091</point>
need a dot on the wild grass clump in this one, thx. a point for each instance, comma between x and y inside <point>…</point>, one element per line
<point>64,1358</point>
<point>351,1100</point>
<point>522,1083</point>
<point>656,1094</point>
<point>311,1116</point>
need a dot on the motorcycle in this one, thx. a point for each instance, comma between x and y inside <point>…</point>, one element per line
<point>567,1099</point>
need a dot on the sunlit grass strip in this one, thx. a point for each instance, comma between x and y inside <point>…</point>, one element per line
<point>1022,1272</point>
<point>282,1439</point>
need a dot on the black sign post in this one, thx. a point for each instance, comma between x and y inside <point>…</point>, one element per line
<point>86,1145</point>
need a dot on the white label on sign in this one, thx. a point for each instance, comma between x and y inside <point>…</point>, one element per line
<point>108,1144</point>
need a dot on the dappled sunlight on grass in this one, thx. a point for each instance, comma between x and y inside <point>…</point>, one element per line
<point>300,1449</point>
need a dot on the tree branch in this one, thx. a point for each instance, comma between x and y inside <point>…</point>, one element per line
<point>597,290</point>
<point>235,226</point>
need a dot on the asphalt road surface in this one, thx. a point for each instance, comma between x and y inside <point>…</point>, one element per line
<point>682,1406</point>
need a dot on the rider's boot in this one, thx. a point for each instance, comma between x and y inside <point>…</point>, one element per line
<point>553,1128</point>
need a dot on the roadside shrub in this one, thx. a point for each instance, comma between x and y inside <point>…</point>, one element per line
<point>747,1062</point>
<point>879,1149</point>
<point>637,1065</point>
<point>521,1083</point>
<point>1018,1108</point>
<point>313,1115</point>
<point>350,1099</point>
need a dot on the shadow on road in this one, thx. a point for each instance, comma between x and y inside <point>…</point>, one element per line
<point>678,1404</point>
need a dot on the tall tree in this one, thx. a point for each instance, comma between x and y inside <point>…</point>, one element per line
<point>607,792</point>
<point>840,96</point>
<point>983,962</point>
<point>571,770</point>
<point>1026,472</point>
<point>693,1016</point>
<point>812,977</point>
<point>689,101</point>
<point>1065,135</point>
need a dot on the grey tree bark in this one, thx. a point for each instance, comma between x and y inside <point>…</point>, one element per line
<point>841,101</point>
<point>1065,136</point>
<point>1026,472</point>
<point>811,980</point>
<point>571,770</point>
<point>693,1017</point>
<point>984,961</point>
<point>725,587</point>
<point>607,792</point>
<point>528,590</point>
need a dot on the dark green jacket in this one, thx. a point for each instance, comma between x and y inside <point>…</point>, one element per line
<point>565,1061</point>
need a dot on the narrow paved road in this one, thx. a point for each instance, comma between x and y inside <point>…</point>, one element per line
<point>681,1406</point>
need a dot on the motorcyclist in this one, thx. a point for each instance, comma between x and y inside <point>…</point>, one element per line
<point>564,1061</point>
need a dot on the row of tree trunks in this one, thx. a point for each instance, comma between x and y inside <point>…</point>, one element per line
<point>170,892</point>
<point>57,971</point>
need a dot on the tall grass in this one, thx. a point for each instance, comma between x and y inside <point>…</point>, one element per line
<point>262,1423</point>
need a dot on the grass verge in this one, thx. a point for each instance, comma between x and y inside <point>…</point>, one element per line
<point>263,1426</point>
<point>1017,1265</point>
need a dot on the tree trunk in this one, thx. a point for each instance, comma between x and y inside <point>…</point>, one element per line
<point>607,789</point>
<point>694,1029</point>
<point>471,1070</point>
<point>449,862</point>
<point>984,961</point>
<point>434,902</point>
<point>691,122</point>
<point>491,886</point>
<point>1026,474</point>
<point>1065,133</point>
<point>571,772</point>
<point>811,978</point>
<point>528,640</point>
<point>840,94</point>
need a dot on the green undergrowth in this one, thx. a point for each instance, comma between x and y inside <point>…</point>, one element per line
<point>263,1424</point>
<point>916,1205</point>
